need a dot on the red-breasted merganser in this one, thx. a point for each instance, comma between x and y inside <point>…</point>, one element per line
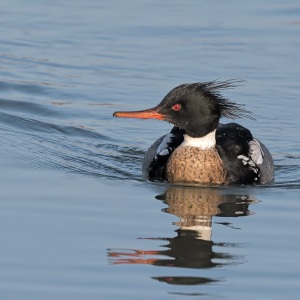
<point>199,149</point>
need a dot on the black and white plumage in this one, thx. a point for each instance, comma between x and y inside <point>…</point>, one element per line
<point>156,158</point>
<point>246,159</point>
<point>199,145</point>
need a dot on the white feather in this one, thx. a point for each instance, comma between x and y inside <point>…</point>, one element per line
<point>205,142</point>
<point>162,148</point>
<point>256,153</point>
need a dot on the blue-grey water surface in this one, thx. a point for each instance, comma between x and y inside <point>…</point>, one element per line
<point>77,220</point>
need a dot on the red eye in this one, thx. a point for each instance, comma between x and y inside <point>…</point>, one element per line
<point>176,107</point>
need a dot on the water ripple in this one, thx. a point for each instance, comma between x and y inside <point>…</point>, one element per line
<point>33,136</point>
<point>31,142</point>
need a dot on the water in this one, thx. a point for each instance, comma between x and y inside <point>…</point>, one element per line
<point>77,219</point>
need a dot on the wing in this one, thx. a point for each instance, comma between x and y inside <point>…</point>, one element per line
<point>246,159</point>
<point>155,160</point>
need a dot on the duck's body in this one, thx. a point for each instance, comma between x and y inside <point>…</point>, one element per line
<point>199,149</point>
<point>236,158</point>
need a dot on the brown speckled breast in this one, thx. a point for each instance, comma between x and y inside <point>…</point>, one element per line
<point>193,164</point>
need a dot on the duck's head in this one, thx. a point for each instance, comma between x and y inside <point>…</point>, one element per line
<point>194,107</point>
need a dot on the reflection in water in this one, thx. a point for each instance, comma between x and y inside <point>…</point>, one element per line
<point>192,246</point>
<point>184,280</point>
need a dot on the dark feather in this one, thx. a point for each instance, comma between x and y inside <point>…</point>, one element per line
<point>228,108</point>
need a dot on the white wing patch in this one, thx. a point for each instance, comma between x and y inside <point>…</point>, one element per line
<point>248,161</point>
<point>255,152</point>
<point>256,157</point>
<point>162,149</point>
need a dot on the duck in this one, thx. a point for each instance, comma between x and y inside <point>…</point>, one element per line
<point>200,149</point>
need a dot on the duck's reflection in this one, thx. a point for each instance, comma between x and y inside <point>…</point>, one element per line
<point>192,246</point>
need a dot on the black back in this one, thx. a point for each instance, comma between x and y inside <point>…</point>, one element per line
<point>232,141</point>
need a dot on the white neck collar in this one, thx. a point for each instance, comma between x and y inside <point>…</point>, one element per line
<point>204,142</point>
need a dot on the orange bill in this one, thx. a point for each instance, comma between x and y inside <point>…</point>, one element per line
<point>141,114</point>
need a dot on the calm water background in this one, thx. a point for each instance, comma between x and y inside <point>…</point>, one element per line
<point>77,221</point>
